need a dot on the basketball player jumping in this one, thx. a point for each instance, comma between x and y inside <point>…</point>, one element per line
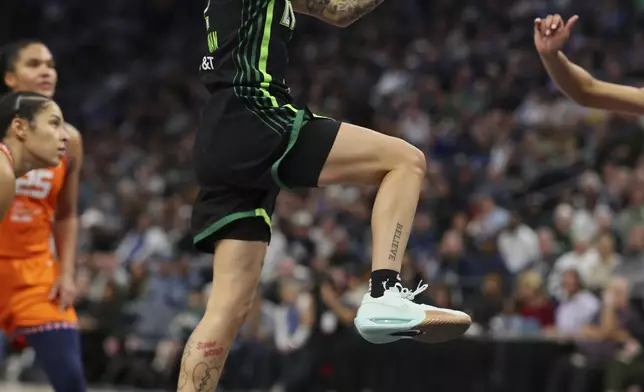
<point>252,142</point>
<point>550,35</point>
<point>38,289</point>
<point>31,137</point>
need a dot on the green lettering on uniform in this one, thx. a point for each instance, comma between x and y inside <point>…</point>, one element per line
<point>213,43</point>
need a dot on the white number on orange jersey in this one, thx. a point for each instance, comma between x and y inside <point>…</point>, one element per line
<point>35,184</point>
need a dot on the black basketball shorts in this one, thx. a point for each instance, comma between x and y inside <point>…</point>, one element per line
<point>244,156</point>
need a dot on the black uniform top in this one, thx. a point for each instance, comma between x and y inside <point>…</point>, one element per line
<point>246,49</point>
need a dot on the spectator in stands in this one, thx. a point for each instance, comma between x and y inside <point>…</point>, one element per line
<point>252,357</point>
<point>582,259</point>
<point>490,303</point>
<point>562,228</point>
<point>617,181</point>
<point>415,125</point>
<point>337,295</point>
<point>547,250</point>
<point>635,243</point>
<point>577,308</point>
<point>145,240</point>
<point>488,222</point>
<point>610,341</point>
<point>423,235</point>
<point>532,301</point>
<point>451,263</point>
<point>633,214</point>
<point>301,246</point>
<point>510,324</point>
<point>604,220</point>
<point>632,267</point>
<point>105,269</point>
<point>164,296</point>
<point>621,330</point>
<point>518,245</point>
<point>602,270</point>
<point>179,331</point>
<point>294,320</point>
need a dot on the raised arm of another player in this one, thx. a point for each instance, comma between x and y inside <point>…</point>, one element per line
<point>339,13</point>
<point>7,185</point>
<point>66,224</point>
<point>550,34</point>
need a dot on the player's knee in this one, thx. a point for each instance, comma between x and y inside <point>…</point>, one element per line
<point>230,310</point>
<point>417,160</point>
<point>410,158</point>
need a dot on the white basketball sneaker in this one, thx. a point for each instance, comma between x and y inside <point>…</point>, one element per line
<point>395,316</point>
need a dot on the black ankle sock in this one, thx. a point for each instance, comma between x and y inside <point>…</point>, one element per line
<point>378,277</point>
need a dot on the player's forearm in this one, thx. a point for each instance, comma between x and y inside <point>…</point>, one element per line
<point>571,79</point>
<point>66,237</point>
<point>339,12</point>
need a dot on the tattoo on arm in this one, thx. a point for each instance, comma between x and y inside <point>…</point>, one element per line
<point>395,242</point>
<point>338,12</point>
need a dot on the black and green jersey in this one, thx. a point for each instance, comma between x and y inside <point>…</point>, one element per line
<point>246,49</point>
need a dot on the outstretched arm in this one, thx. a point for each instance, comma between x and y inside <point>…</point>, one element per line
<point>7,185</point>
<point>339,13</point>
<point>550,35</point>
<point>582,88</point>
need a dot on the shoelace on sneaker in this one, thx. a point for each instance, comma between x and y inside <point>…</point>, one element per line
<point>407,293</point>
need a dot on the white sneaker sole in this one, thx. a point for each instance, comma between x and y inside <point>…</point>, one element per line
<point>437,326</point>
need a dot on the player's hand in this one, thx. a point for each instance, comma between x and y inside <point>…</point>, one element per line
<point>63,291</point>
<point>551,33</point>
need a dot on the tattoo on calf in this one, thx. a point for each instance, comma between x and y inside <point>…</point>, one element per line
<point>205,377</point>
<point>395,243</point>
<point>205,374</point>
<point>210,349</point>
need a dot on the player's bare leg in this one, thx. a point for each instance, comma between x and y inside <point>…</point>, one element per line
<point>362,156</point>
<point>358,156</point>
<point>237,266</point>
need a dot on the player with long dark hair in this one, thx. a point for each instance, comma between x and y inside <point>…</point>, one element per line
<point>38,289</point>
<point>31,137</point>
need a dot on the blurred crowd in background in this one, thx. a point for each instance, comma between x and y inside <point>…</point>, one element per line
<point>531,218</point>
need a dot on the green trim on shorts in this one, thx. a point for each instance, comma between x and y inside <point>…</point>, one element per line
<point>298,123</point>
<point>210,230</point>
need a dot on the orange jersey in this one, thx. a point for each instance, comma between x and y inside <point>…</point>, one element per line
<point>26,229</point>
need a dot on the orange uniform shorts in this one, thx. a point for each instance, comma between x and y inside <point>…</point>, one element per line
<point>25,286</point>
